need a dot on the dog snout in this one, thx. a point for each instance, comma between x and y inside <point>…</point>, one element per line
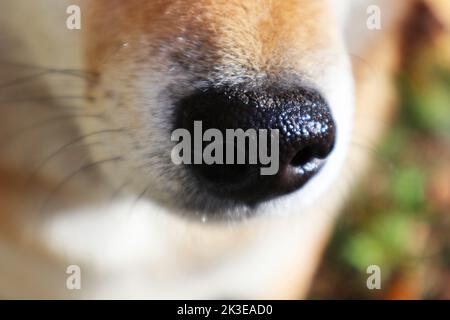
<point>295,128</point>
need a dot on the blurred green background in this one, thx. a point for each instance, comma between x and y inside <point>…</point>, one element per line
<point>399,217</point>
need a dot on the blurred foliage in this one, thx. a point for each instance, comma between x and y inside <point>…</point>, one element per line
<point>400,218</point>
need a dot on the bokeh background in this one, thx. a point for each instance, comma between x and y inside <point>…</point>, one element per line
<point>399,216</point>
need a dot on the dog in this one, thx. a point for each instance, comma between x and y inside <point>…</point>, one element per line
<point>87,114</point>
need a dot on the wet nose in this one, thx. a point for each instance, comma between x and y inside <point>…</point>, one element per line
<point>304,127</point>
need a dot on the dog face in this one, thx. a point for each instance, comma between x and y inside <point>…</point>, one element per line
<point>265,64</point>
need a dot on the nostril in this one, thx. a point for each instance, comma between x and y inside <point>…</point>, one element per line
<point>310,153</point>
<point>304,156</point>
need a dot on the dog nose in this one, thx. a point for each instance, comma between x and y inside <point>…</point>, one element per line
<point>304,127</point>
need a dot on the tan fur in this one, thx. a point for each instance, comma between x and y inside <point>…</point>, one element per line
<point>226,40</point>
<point>258,35</point>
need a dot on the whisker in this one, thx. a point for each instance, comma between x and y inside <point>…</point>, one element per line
<point>23,80</point>
<point>72,175</point>
<point>8,138</point>
<point>364,61</point>
<point>71,72</point>
<point>69,145</point>
<point>119,190</point>
<point>48,98</point>
<point>139,197</point>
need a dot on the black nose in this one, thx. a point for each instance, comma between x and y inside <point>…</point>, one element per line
<point>306,132</point>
